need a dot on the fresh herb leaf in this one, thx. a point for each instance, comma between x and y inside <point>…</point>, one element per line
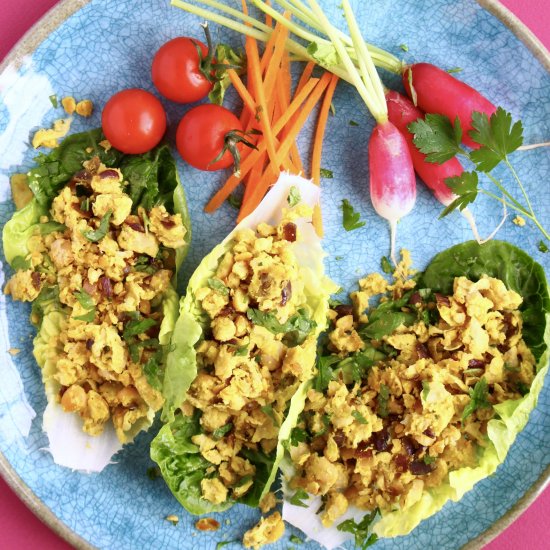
<point>297,499</point>
<point>386,265</point>
<point>425,389</point>
<point>84,299</point>
<point>20,264</point>
<point>152,370</point>
<point>295,330</point>
<point>137,326</point>
<point>53,101</point>
<point>218,286</point>
<point>220,432</point>
<point>295,540</point>
<point>466,187</point>
<point>85,205</point>
<point>294,196</point>
<point>437,138</point>
<point>542,247</point>
<point>241,351</point>
<point>324,371</point>
<point>383,401</point>
<point>429,459</point>
<point>359,417</point>
<point>386,318</point>
<point>235,201</point>
<point>353,123</point>
<point>50,227</point>
<point>356,367</point>
<point>88,317</point>
<point>479,395</point>
<point>326,424</point>
<point>454,70</point>
<point>497,137</point>
<point>143,264</point>
<point>350,219</point>
<point>298,435</point>
<point>101,231</point>
<point>361,531</point>
<point>326,173</point>
<point>221,544</point>
<point>404,47</point>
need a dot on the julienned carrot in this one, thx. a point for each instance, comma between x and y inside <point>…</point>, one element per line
<point>262,187</point>
<point>232,182</point>
<point>318,148</point>
<point>320,131</point>
<point>244,94</point>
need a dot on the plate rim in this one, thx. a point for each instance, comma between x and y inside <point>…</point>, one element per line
<point>25,46</point>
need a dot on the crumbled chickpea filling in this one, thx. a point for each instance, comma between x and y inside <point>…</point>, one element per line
<point>380,441</point>
<point>247,373</point>
<point>109,286</point>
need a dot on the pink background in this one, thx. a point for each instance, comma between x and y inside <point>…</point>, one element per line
<point>21,530</point>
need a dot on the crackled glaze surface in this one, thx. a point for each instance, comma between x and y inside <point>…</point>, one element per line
<point>107,45</point>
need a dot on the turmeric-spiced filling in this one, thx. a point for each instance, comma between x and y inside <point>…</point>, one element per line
<point>404,393</point>
<point>108,268</point>
<point>257,350</point>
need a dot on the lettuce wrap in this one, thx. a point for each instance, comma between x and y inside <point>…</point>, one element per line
<point>520,273</point>
<point>182,465</point>
<point>150,180</point>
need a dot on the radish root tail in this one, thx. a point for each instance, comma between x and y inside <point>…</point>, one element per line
<point>471,220</point>
<point>533,146</point>
<point>393,231</point>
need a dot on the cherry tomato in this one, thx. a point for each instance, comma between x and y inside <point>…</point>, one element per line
<point>202,135</point>
<point>177,72</point>
<point>133,121</point>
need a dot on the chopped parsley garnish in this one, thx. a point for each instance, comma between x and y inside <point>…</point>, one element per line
<point>542,247</point>
<point>454,70</point>
<point>101,231</point>
<point>87,303</point>
<point>364,537</point>
<point>386,265</point>
<point>50,227</point>
<point>327,174</point>
<point>479,395</point>
<point>235,201</point>
<point>220,432</point>
<point>297,499</point>
<point>429,459</point>
<point>294,196</point>
<point>268,410</point>
<point>353,123</point>
<point>295,330</point>
<point>137,326</point>
<point>295,540</point>
<point>298,435</point>
<point>359,417</point>
<point>404,47</point>
<point>218,286</point>
<point>350,218</point>
<point>53,101</point>
<point>425,389</point>
<point>20,263</point>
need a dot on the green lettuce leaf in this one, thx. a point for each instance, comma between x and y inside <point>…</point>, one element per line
<point>19,228</point>
<point>521,273</point>
<point>172,450</point>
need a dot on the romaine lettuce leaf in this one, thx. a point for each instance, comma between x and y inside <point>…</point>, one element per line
<point>519,272</point>
<point>166,449</point>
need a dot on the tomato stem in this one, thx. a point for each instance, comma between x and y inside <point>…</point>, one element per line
<point>231,140</point>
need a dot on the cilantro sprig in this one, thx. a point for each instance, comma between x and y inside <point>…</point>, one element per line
<point>350,218</point>
<point>498,136</point>
<point>362,531</point>
<point>479,399</point>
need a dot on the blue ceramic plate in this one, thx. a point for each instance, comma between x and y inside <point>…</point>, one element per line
<point>107,45</point>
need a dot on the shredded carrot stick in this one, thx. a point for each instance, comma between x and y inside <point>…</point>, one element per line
<point>318,148</point>
<point>274,69</point>
<point>268,51</point>
<point>320,131</point>
<point>232,182</point>
<point>262,187</point>
<point>253,58</point>
<point>244,94</point>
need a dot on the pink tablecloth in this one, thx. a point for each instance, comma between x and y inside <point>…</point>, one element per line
<point>21,530</point>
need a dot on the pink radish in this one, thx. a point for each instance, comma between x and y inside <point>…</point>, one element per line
<point>392,180</point>
<point>436,91</point>
<point>401,112</point>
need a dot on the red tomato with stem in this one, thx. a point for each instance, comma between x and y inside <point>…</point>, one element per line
<point>210,137</point>
<point>179,73</point>
<point>133,121</point>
